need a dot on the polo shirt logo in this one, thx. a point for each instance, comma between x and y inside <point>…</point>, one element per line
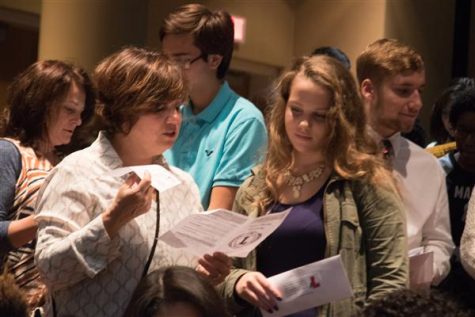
<point>208,152</point>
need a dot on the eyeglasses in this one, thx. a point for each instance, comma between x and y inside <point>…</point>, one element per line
<point>186,62</point>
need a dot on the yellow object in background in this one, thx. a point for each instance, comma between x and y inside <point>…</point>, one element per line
<point>441,150</point>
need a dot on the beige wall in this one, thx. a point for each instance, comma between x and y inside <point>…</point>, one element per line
<point>85,31</point>
<point>31,6</point>
<point>427,25</point>
<point>347,24</point>
<point>270,27</point>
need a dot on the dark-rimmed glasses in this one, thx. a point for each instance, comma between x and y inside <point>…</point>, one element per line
<point>186,62</point>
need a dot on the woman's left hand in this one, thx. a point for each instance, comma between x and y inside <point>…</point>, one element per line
<point>214,267</point>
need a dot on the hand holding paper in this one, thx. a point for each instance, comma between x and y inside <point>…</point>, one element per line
<point>255,288</point>
<point>311,285</point>
<point>162,179</point>
<point>132,199</point>
<point>421,268</point>
<point>222,230</point>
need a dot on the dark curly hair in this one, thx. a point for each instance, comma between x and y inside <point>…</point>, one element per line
<point>175,284</point>
<point>442,107</point>
<point>408,303</point>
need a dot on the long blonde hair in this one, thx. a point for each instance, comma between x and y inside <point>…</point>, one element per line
<point>351,152</point>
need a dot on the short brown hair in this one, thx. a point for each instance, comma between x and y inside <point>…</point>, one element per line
<point>134,81</point>
<point>387,57</point>
<point>33,93</point>
<point>212,31</point>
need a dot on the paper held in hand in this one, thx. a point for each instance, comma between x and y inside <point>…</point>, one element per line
<point>311,285</point>
<point>162,179</point>
<point>421,268</point>
<point>222,230</point>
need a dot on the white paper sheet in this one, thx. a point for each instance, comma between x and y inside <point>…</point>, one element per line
<point>162,179</point>
<point>222,230</point>
<point>421,268</point>
<point>311,285</point>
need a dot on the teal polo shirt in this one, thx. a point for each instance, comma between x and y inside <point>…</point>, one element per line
<point>221,144</point>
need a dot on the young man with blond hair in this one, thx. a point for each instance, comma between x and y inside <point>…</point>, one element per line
<point>391,77</point>
<point>223,135</point>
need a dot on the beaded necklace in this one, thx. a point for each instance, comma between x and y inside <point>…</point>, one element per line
<point>297,182</point>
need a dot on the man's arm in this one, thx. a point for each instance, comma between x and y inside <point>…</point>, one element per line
<point>222,197</point>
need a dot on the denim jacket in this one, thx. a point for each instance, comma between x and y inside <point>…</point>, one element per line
<point>363,223</point>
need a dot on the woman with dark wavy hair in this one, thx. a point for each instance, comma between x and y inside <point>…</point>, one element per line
<point>322,163</point>
<point>45,104</point>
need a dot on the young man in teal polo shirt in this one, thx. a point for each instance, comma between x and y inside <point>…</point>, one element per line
<point>222,135</point>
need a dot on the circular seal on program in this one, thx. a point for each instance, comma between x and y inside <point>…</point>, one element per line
<point>244,239</point>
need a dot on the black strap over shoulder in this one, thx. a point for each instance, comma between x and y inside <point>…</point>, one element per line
<point>155,240</point>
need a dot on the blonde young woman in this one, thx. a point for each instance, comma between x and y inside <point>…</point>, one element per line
<point>321,162</point>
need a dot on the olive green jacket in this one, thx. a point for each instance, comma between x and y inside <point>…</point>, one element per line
<point>363,223</point>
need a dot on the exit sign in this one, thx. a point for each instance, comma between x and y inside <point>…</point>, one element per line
<point>239,29</point>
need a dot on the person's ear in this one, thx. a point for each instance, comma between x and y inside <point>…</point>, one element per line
<point>126,127</point>
<point>367,91</point>
<point>214,60</point>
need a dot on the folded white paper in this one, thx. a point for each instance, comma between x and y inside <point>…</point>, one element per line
<point>311,285</point>
<point>162,179</point>
<point>421,268</point>
<point>222,230</point>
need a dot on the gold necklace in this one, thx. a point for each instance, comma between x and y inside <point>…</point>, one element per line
<point>297,182</point>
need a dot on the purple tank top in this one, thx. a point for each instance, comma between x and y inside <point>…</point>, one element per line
<point>299,240</point>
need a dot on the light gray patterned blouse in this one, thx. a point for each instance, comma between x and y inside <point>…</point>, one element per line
<point>87,273</point>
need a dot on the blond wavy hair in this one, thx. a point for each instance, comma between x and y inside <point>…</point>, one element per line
<point>351,152</point>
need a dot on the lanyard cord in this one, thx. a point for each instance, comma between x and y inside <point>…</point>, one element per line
<point>155,240</point>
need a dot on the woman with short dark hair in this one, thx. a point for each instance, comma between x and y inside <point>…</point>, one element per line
<point>98,232</point>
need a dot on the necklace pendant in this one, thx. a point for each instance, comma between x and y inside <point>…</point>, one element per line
<point>296,191</point>
<point>297,182</point>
